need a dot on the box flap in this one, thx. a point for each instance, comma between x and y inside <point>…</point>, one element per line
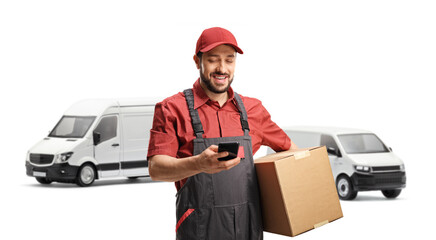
<point>280,155</point>
<point>272,200</point>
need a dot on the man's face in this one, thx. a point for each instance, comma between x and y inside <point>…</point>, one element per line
<point>217,67</point>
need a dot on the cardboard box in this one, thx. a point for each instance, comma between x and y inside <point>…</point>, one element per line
<point>297,189</point>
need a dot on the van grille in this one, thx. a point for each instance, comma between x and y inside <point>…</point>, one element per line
<point>41,158</point>
<point>391,178</point>
<point>386,168</point>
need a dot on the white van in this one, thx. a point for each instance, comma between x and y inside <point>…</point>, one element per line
<point>94,139</point>
<point>360,161</point>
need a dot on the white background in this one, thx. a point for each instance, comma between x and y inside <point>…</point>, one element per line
<point>364,64</point>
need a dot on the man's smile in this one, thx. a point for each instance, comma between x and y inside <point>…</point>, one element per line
<point>220,78</point>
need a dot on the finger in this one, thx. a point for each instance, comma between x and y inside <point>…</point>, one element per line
<point>213,148</point>
<point>222,154</point>
<point>230,163</point>
<point>234,161</point>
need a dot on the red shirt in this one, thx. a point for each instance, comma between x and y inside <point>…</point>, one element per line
<point>172,133</point>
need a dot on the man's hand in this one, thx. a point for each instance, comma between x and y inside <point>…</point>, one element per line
<point>293,146</point>
<point>208,162</point>
<point>171,169</point>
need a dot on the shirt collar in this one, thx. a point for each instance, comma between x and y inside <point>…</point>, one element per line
<point>200,97</point>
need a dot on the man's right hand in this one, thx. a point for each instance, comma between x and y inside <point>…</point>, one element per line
<point>171,169</point>
<point>208,162</point>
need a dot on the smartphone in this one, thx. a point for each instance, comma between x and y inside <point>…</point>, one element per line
<point>231,147</point>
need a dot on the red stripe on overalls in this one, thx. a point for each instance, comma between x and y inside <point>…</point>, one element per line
<point>185,215</point>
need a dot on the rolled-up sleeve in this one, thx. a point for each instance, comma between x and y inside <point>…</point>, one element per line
<point>163,137</point>
<point>273,136</point>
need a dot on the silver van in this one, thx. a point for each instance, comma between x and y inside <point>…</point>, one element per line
<point>360,161</point>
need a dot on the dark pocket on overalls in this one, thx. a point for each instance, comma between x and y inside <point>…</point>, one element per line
<point>221,225</point>
<point>187,224</point>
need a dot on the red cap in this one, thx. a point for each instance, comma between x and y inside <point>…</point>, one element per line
<point>216,36</point>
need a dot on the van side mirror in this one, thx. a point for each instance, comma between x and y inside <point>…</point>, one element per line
<point>96,136</point>
<point>390,149</point>
<point>334,151</point>
<point>338,153</point>
<point>331,150</point>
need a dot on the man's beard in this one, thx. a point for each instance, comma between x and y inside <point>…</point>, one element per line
<point>212,88</point>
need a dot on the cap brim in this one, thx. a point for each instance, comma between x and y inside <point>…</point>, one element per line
<point>212,46</point>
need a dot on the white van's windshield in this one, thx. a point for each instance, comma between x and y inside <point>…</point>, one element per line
<point>362,143</point>
<point>72,127</point>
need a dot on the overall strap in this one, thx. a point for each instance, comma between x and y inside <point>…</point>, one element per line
<point>195,118</point>
<point>243,113</point>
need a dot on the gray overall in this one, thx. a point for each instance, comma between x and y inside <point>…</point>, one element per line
<point>223,205</point>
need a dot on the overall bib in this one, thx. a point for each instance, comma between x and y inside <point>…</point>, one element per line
<point>223,205</point>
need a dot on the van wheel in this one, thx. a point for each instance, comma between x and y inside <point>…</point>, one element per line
<point>132,178</point>
<point>391,193</point>
<point>86,175</point>
<point>345,188</point>
<point>43,180</point>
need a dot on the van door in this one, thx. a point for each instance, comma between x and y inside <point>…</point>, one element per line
<point>107,151</point>
<point>335,160</point>
<point>135,135</point>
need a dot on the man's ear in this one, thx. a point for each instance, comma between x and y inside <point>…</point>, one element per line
<point>197,61</point>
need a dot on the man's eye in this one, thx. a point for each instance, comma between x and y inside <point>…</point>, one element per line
<point>229,61</point>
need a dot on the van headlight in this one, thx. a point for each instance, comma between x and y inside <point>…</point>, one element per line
<point>402,168</point>
<point>361,168</point>
<point>62,158</point>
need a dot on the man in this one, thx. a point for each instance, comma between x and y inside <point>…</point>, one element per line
<point>215,199</point>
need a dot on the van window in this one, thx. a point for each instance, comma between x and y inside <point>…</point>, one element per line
<point>137,127</point>
<point>328,142</point>
<point>107,128</point>
<point>72,127</point>
<point>362,143</point>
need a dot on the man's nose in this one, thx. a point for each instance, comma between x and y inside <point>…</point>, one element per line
<point>221,67</point>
